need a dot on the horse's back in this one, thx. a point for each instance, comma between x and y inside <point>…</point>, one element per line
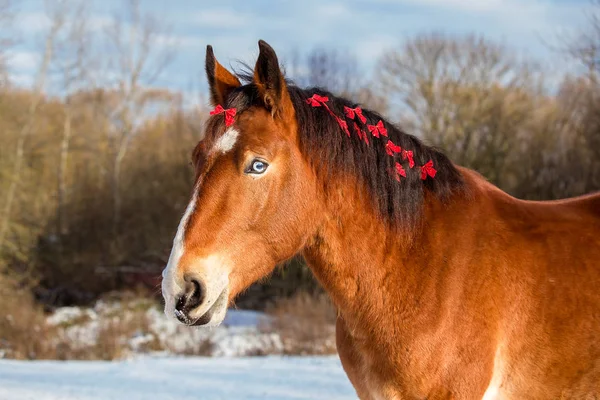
<point>565,234</point>
<point>558,258</point>
<point>586,206</point>
<point>545,256</point>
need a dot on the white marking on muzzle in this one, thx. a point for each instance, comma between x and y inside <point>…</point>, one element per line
<point>227,141</point>
<point>170,286</point>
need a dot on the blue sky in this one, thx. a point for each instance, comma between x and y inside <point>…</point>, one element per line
<point>363,28</point>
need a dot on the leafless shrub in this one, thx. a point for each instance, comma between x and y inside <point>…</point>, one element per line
<point>305,324</point>
<point>23,329</point>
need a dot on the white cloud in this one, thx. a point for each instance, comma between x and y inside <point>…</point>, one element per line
<point>475,6</point>
<point>372,46</point>
<point>34,21</point>
<point>469,5</point>
<point>23,60</point>
<point>21,80</point>
<point>179,41</point>
<point>99,22</point>
<point>332,10</point>
<point>221,18</point>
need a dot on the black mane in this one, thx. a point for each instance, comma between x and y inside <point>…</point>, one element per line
<point>330,151</point>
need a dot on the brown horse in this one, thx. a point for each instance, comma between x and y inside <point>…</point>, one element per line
<point>446,286</point>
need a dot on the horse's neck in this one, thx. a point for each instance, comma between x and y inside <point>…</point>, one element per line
<point>374,274</point>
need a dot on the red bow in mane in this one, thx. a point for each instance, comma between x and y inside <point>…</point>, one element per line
<point>354,112</point>
<point>399,171</point>
<point>391,148</point>
<point>378,129</point>
<point>428,170</point>
<point>409,154</point>
<point>229,114</point>
<point>342,124</point>
<point>317,101</point>
<point>362,135</point>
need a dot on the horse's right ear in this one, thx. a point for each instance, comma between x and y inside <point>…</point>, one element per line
<point>271,84</point>
<point>220,81</point>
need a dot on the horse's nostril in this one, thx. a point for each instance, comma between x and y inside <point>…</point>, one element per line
<point>197,294</point>
<point>193,296</point>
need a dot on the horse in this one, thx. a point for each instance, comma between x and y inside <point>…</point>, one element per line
<point>446,287</point>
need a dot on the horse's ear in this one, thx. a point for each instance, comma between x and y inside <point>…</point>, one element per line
<point>270,82</point>
<point>220,80</point>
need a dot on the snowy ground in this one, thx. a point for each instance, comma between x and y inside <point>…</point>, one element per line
<point>265,378</point>
<point>152,369</point>
<point>238,335</point>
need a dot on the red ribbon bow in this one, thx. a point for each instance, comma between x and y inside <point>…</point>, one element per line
<point>229,114</point>
<point>428,170</point>
<point>354,112</point>
<point>399,171</point>
<point>391,148</point>
<point>362,135</point>
<point>408,154</point>
<point>343,125</point>
<point>317,101</point>
<point>378,129</point>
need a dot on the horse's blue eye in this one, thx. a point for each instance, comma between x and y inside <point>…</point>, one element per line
<point>258,167</point>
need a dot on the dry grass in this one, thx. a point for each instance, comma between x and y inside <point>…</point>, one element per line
<point>111,342</point>
<point>123,320</point>
<point>121,325</point>
<point>305,324</point>
<point>23,328</point>
<point>26,334</point>
<point>203,348</point>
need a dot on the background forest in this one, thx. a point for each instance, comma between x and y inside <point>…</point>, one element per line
<point>95,154</point>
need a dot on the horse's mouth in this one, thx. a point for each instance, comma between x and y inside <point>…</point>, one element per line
<point>217,307</point>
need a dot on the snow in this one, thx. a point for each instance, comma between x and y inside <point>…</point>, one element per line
<point>162,374</point>
<point>274,377</point>
<point>243,318</point>
<point>238,335</point>
<point>65,315</point>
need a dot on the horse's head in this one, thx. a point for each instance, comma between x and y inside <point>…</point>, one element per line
<point>252,205</point>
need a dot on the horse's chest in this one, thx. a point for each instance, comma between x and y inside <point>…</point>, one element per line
<point>419,367</point>
<point>377,376</point>
<point>408,375</point>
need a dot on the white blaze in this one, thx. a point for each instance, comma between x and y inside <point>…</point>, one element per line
<point>212,270</point>
<point>170,287</point>
<point>227,141</point>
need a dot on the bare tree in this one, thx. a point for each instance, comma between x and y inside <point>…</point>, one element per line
<point>417,74</point>
<point>57,21</point>
<point>333,69</point>
<point>579,99</point>
<point>136,56</point>
<point>336,71</point>
<point>74,63</point>
<point>584,46</point>
<point>467,95</point>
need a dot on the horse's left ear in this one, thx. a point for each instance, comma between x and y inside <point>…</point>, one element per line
<point>271,84</point>
<point>220,81</point>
